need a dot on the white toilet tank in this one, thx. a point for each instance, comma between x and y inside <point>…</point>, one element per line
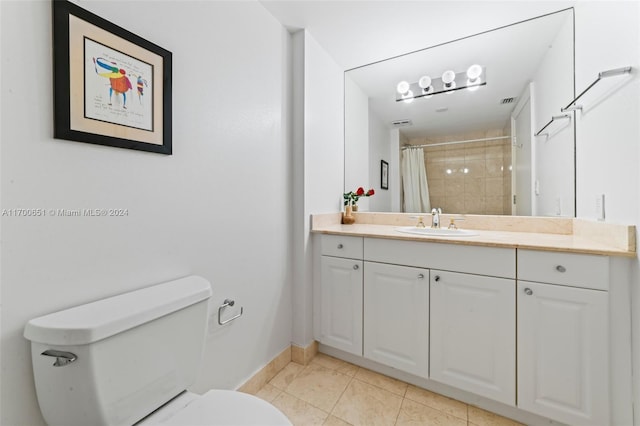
<point>133,352</point>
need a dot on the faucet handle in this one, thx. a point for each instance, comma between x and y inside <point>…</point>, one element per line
<point>420,223</point>
<point>452,222</point>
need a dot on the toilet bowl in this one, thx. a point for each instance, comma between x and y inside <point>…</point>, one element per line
<point>129,359</point>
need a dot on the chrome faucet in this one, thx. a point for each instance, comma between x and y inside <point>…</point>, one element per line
<point>435,217</point>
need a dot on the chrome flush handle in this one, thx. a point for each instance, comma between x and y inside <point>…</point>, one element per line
<point>62,358</point>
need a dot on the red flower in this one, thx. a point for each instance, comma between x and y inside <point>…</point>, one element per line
<point>360,191</point>
<point>370,192</point>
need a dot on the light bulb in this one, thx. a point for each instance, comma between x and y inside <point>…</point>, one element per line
<point>403,87</point>
<point>473,85</point>
<point>408,97</point>
<point>428,91</point>
<point>451,85</point>
<point>424,82</point>
<point>474,72</point>
<point>448,78</point>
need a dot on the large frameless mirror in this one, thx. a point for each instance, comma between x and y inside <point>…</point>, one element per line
<point>455,124</point>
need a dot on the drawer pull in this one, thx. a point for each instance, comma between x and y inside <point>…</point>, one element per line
<point>356,267</point>
<point>561,268</point>
<point>436,278</point>
<point>420,276</point>
<point>340,246</point>
<point>528,291</point>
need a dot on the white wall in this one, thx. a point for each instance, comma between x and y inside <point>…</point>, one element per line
<point>395,181</point>
<point>553,86</point>
<point>318,163</point>
<point>218,207</point>
<point>356,131</point>
<point>608,129</point>
<point>379,149</point>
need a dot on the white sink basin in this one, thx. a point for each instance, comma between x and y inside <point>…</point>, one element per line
<point>437,232</point>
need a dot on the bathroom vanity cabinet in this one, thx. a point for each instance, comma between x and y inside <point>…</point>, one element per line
<point>527,328</point>
<point>396,318</point>
<point>473,334</point>
<point>341,293</point>
<point>563,345</point>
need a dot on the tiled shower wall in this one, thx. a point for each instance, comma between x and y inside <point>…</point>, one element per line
<point>473,178</point>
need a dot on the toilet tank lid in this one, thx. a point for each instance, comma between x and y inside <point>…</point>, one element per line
<point>98,320</point>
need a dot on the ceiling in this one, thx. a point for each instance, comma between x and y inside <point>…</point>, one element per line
<point>360,32</point>
<point>511,57</point>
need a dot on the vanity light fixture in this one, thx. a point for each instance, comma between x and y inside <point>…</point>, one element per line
<point>425,85</point>
<point>408,97</point>
<point>449,82</point>
<point>403,88</point>
<point>473,77</point>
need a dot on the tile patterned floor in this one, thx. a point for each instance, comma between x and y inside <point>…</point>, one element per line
<point>329,391</point>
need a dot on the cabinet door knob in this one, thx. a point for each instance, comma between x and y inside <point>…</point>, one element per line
<point>356,267</point>
<point>340,246</point>
<point>561,268</point>
<point>436,278</point>
<point>420,276</point>
<point>528,291</point>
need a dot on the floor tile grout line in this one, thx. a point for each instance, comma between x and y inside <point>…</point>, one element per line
<point>399,411</point>
<point>308,403</point>
<point>379,387</point>
<point>466,419</point>
<point>351,378</point>
<point>340,397</point>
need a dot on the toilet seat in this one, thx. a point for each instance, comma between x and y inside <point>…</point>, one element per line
<point>218,407</point>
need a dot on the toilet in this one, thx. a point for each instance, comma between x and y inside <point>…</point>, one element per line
<point>129,359</point>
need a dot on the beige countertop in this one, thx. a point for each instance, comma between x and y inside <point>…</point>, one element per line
<point>589,237</point>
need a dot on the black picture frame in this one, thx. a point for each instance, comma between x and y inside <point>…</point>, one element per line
<point>384,174</point>
<point>82,111</point>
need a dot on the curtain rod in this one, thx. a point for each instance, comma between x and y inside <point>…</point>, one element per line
<point>455,142</point>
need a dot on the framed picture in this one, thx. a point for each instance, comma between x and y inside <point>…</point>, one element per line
<point>384,174</point>
<point>111,87</point>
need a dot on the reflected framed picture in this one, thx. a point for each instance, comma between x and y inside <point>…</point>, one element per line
<point>384,174</point>
<point>111,87</point>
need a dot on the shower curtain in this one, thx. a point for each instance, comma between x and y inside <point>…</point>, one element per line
<point>414,181</point>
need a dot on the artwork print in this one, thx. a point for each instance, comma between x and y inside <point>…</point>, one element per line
<point>384,174</point>
<point>111,87</point>
<point>117,87</point>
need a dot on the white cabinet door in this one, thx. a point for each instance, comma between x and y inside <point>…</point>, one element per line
<point>473,334</point>
<point>341,304</point>
<point>563,353</point>
<point>396,317</point>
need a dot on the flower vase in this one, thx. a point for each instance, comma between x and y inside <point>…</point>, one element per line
<point>354,207</point>
<point>347,216</point>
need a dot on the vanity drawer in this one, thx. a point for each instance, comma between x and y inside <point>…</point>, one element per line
<point>341,246</point>
<point>491,261</point>
<point>576,270</point>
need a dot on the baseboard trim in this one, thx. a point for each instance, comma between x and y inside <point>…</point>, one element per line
<point>304,355</point>
<point>266,373</point>
<point>293,353</point>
